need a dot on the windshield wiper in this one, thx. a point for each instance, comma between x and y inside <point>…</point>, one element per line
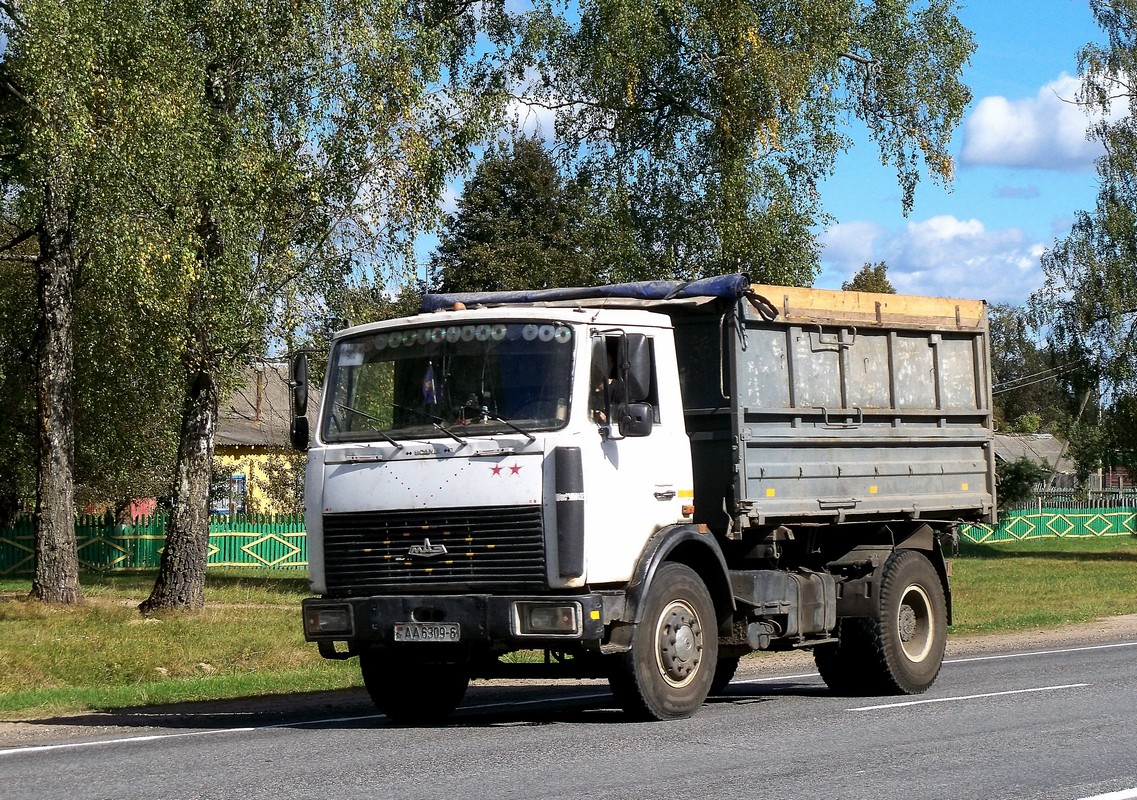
<point>435,421</point>
<point>365,415</point>
<point>485,412</point>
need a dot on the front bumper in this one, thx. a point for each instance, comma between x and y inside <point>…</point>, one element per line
<point>486,622</point>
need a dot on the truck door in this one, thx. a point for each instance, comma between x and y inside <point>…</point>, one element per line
<point>640,476</point>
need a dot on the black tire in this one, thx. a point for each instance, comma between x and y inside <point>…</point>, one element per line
<point>902,652</point>
<point>724,673</point>
<point>667,673</point>
<point>413,692</point>
<point>851,666</point>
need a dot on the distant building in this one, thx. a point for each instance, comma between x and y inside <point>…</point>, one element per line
<point>255,468</point>
<point>1049,452</point>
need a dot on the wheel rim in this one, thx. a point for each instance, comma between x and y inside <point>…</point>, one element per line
<point>915,623</point>
<point>679,643</point>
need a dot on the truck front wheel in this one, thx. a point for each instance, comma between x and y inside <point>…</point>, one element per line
<point>902,651</point>
<point>410,691</point>
<point>668,671</point>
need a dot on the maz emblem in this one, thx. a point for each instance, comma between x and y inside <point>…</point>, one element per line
<point>427,550</point>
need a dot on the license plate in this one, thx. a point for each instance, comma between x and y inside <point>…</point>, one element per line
<point>427,632</point>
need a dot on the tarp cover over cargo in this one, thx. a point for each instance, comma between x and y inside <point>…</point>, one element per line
<point>727,287</point>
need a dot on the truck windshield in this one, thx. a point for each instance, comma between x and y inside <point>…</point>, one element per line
<point>455,380</point>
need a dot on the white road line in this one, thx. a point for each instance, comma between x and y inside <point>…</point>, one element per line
<point>1003,656</point>
<point>39,748</point>
<point>776,678</point>
<point>540,701</point>
<point>43,748</point>
<point>929,700</point>
<point>1124,794</point>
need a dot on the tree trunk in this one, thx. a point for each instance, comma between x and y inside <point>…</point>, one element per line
<point>181,572</point>
<point>56,577</point>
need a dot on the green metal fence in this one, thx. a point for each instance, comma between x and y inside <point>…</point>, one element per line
<point>279,541</point>
<point>1043,523</point>
<point>240,541</point>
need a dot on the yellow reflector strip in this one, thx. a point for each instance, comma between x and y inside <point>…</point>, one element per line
<point>686,492</point>
<point>963,486</point>
<point>770,493</point>
<point>872,490</point>
<point>595,614</point>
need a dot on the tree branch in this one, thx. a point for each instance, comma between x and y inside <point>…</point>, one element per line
<point>23,237</point>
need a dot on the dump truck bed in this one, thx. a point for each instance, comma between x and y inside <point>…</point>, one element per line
<point>830,406</point>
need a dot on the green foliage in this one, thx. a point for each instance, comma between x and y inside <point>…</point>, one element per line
<point>1090,293</point>
<point>705,127</point>
<point>17,431</point>
<point>519,225</point>
<point>1025,423</point>
<point>1036,386</point>
<point>1017,479</point>
<point>870,278</point>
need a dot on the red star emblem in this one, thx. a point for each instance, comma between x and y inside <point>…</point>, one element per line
<point>496,469</point>
<point>514,469</point>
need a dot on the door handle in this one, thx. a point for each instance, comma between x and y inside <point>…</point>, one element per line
<point>665,494</point>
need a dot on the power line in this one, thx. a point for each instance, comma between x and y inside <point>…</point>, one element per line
<point>1034,378</point>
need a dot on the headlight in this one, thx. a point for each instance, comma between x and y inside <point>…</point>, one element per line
<point>548,619</point>
<point>326,621</point>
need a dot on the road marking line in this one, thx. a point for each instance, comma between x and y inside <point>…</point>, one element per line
<point>538,701</point>
<point>929,700</point>
<point>1124,794</point>
<point>1003,656</point>
<point>41,748</point>
<point>777,678</point>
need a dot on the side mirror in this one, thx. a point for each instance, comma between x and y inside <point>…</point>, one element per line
<point>298,434</point>
<point>636,419</point>
<point>298,381</point>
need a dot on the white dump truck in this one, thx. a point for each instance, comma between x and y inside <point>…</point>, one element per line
<point>644,482</point>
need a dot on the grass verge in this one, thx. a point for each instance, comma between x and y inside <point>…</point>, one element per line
<point>248,640</point>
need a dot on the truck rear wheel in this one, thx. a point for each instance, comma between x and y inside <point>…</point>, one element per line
<point>410,691</point>
<point>668,671</point>
<point>903,651</point>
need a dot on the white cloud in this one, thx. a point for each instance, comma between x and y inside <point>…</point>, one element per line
<point>1047,131</point>
<point>940,256</point>
<point>526,114</point>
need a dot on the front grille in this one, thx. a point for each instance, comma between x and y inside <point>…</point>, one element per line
<point>501,547</point>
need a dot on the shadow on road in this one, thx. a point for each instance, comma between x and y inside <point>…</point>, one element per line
<point>484,706</point>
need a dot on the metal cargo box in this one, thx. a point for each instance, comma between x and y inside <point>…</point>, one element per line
<point>841,406</point>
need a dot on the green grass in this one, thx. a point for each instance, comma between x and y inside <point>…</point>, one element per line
<point>1043,583</point>
<point>248,641</point>
<point>104,654</point>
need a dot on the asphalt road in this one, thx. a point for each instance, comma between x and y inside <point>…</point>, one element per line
<point>1052,722</point>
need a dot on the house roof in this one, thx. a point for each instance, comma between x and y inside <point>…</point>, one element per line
<point>1041,448</point>
<point>257,413</point>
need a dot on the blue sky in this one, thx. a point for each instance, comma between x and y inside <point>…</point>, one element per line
<point>1023,168</point>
